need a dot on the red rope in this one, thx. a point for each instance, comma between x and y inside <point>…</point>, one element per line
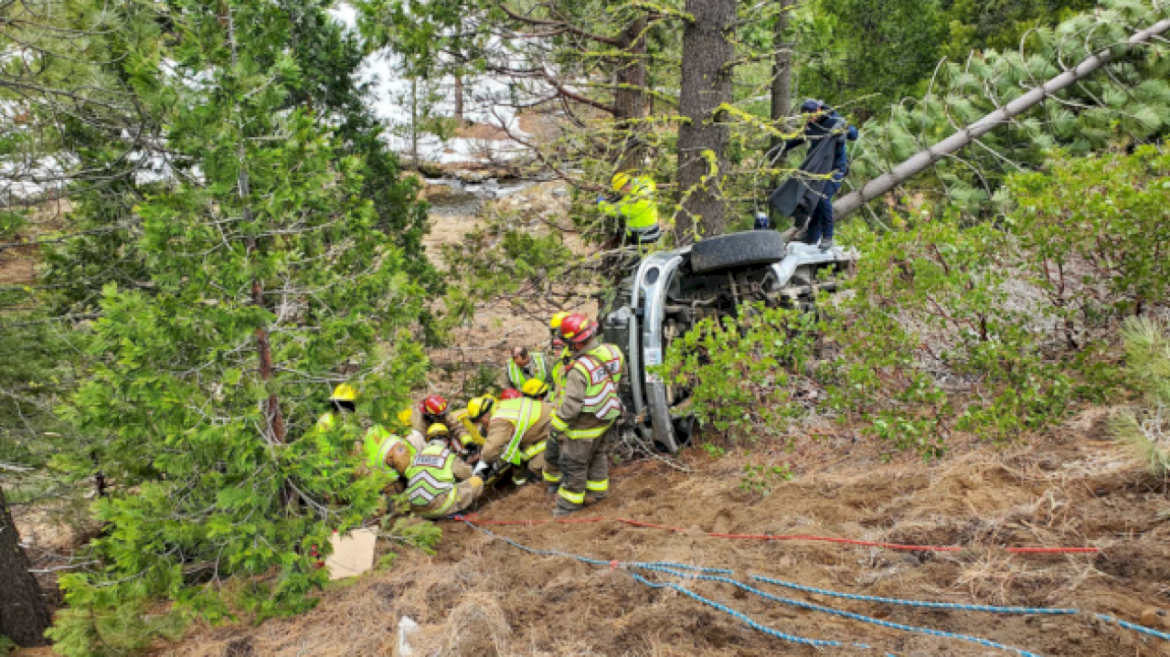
<point>562,521</point>
<point>783,537</point>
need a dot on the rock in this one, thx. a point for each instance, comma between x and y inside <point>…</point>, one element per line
<point>1155,618</point>
<point>406,628</point>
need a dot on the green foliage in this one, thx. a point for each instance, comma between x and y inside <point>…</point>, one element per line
<point>6,645</point>
<point>386,562</point>
<point>936,299</point>
<point>420,534</point>
<point>1000,24</point>
<point>485,380</point>
<point>713,450</point>
<point>1147,347</point>
<point>505,262</point>
<point>1096,227</point>
<point>121,628</point>
<point>761,479</point>
<point>31,386</point>
<point>263,277</point>
<point>744,372</point>
<point>1126,104</point>
<point>868,54</point>
<point>991,329</point>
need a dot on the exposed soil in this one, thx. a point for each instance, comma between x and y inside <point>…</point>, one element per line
<point>481,596</point>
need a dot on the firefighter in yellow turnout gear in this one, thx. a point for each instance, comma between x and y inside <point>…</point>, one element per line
<point>518,433</point>
<point>637,207</point>
<point>432,410</point>
<point>388,454</point>
<point>344,404</point>
<point>473,420</point>
<point>585,413</point>
<point>524,366</point>
<point>560,365</point>
<point>439,482</point>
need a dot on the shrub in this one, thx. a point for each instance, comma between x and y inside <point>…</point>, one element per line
<point>744,372</point>
<point>1147,433</point>
<point>993,329</point>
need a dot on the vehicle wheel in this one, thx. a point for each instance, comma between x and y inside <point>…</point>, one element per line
<point>756,247</point>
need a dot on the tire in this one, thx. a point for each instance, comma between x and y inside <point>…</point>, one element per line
<point>756,247</point>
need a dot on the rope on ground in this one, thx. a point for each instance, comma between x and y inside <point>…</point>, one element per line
<point>846,614</point>
<point>695,572</point>
<point>920,603</point>
<point>558,521</point>
<point>751,623</point>
<point>1133,626</point>
<point>659,566</point>
<point>850,541</point>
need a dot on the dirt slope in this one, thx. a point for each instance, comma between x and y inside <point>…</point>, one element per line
<point>480,596</point>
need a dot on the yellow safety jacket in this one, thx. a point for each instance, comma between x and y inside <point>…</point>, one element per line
<point>522,413</point>
<point>516,376</point>
<point>639,209</point>
<point>431,475</point>
<point>377,445</point>
<point>601,398</point>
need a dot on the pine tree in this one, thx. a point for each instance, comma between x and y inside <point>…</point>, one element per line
<point>267,279</point>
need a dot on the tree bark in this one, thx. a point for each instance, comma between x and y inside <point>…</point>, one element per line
<point>24,617</point>
<point>703,136</point>
<point>781,84</point>
<point>276,428</point>
<point>459,101</point>
<point>414,123</point>
<point>629,96</point>
<point>923,160</point>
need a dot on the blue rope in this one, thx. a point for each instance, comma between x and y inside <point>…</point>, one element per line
<point>699,573</point>
<point>845,614</point>
<point>918,603</point>
<point>662,567</point>
<point>667,564</point>
<point>751,623</point>
<point>1132,626</point>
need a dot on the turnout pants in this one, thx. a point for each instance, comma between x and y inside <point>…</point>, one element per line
<point>584,466</point>
<point>552,460</point>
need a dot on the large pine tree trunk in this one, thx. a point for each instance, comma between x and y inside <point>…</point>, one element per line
<point>629,97</point>
<point>781,83</point>
<point>23,614</point>
<point>703,136</point>
<point>923,160</point>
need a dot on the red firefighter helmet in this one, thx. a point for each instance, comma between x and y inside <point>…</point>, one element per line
<point>510,393</point>
<point>578,329</point>
<point>433,405</point>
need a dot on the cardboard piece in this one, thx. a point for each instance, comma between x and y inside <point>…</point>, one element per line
<point>353,554</point>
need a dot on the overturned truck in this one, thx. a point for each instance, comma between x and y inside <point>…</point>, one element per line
<point>666,294</point>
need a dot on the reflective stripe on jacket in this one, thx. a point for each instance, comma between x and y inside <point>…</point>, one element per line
<point>589,403</point>
<point>522,414</point>
<point>432,476</point>
<point>517,377</point>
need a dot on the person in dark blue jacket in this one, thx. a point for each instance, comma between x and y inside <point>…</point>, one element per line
<point>822,122</point>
